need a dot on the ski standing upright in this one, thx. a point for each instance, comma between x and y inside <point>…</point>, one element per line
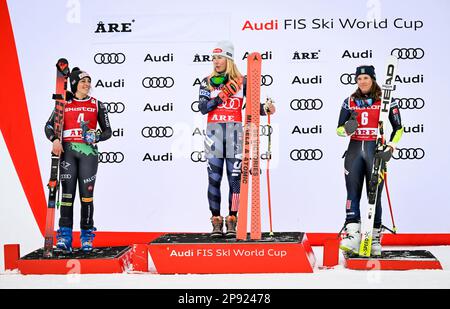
<point>251,153</point>
<point>62,74</point>
<point>380,158</point>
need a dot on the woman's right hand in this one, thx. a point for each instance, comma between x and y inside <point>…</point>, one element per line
<point>57,148</point>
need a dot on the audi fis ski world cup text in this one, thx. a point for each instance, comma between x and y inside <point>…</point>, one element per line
<point>271,252</point>
<point>288,24</point>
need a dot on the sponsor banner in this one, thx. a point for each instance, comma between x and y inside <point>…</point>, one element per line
<point>147,63</point>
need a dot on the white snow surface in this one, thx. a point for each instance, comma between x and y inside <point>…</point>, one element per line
<point>336,278</point>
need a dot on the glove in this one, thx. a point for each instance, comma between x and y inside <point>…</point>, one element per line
<point>90,136</point>
<point>341,131</point>
<point>229,89</point>
<point>351,125</point>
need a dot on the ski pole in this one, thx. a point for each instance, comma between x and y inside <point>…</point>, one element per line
<point>269,155</point>
<point>389,200</point>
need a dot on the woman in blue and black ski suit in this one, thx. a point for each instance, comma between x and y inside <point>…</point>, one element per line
<point>359,118</point>
<point>221,97</point>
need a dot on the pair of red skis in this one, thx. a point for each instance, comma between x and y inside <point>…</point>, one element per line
<point>62,74</point>
<point>250,155</point>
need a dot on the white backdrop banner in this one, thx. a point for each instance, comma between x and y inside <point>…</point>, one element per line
<point>147,59</point>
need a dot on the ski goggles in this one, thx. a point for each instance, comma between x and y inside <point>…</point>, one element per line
<point>218,80</point>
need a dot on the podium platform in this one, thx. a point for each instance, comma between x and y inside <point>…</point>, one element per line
<point>198,253</point>
<point>102,260</point>
<point>394,260</point>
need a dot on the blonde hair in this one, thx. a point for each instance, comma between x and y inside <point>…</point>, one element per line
<point>231,71</point>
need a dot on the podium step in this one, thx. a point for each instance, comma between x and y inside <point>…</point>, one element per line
<point>394,260</point>
<point>102,260</point>
<point>198,253</point>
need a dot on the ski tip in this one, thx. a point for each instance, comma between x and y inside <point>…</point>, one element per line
<point>255,56</point>
<point>392,59</point>
<point>63,65</point>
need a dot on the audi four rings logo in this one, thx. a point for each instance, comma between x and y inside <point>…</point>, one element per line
<point>266,80</point>
<point>408,53</point>
<point>232,103</point>
<point>110,157</point>
<point>109,58</point>
<point>411,103</point>
<point>306,154</point>
<point>409,154</point>
<point>155,132</point>
<point>265,130</point>
<point>348,79</point>
<point>158,82</point>
<point>114,107</point>
<point>198,156</point>
<point>306,104</point>
<point>195,106</point>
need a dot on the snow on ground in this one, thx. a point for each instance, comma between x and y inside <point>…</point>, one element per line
<point>338,277</point>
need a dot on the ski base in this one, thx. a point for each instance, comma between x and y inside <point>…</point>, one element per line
<point>250,155</point>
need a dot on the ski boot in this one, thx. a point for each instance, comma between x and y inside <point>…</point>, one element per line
<point>376,242</point>
<point>350,243</point>
<point>217,223</point>
<point>64,239</point>
<point>230,222</point>
<point>87,238</point>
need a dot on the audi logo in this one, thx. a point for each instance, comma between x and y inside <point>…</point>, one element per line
<point>155,132</point>
<point>109,58</point>
<point>198,156</point>
<point>266,80</point>
<point>306,154</point>
<point>411,103</point>
<point>195,106</point>
<point>231,104</point>
<point>158,82</point>
<point>409,154</point>
<point>408,53</point>
<point>265,130</point>
<point>110,157</point>
<point>306,104</point>
<point>348,79</point>
<point>114,107</point>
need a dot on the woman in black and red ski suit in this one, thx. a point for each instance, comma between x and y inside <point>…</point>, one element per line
<point>79,157</point>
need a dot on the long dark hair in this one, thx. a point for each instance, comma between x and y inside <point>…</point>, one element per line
<point>374,93</point>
